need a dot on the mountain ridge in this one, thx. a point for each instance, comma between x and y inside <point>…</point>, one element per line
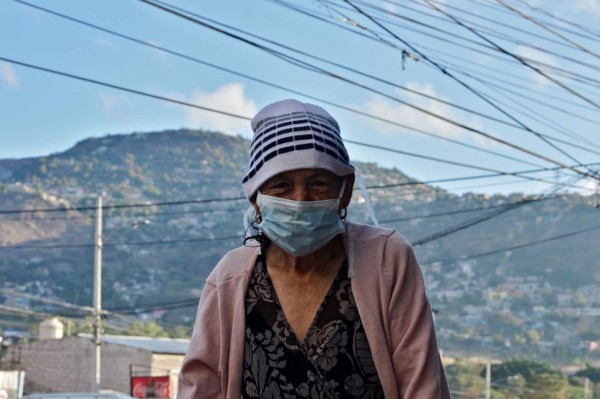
<point>192,166</point>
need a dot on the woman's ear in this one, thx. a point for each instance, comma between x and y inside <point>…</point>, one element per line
<point>347,196</point>
<point>253,202</point>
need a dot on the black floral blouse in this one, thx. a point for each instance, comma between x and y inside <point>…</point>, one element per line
<point>334,361</point>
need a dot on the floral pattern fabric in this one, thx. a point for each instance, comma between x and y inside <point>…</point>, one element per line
<point>334,361</point>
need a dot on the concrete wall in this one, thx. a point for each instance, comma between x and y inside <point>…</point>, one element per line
<point>168,365</point>
<point>116,363</point>
<point>65,365</point>
<point>55,365</point>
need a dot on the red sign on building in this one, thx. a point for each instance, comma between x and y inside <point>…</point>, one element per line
<point>150,387</point>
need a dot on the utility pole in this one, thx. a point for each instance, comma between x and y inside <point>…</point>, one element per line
<point>97,296</point>
<point>488,381</point>
<point>586,388</point>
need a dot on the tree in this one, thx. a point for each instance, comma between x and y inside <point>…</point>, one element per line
<point>180,332</point>
<point>151,329</point>
<point>526,368</point>
<point>464,376</point>
<point>579,299</point>
<point>521,303</point>
<point>542,381</point>
<point>533,336</point>
<point>547,386</point>
<point>590,372</point>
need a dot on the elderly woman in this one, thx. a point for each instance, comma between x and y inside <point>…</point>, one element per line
<point>322,308</point>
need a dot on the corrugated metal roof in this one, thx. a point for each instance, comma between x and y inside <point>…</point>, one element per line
<point>155,345</point>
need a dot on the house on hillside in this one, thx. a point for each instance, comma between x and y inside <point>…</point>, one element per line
<point>145,367</point>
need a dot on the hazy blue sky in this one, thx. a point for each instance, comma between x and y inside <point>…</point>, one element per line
<point>42,113</point>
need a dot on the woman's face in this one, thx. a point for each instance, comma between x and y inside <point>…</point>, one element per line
<point>303,185</point>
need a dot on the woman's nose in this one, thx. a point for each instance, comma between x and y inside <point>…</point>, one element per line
<point>300,193</point>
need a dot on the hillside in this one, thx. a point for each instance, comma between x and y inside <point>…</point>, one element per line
<point>196,176</point>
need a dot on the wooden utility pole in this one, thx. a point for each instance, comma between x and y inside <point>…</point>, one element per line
<point>97,297</point>
<point>488,381</point>
<point>586,388</point>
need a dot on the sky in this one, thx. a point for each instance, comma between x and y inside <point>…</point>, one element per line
<point>471,87</point>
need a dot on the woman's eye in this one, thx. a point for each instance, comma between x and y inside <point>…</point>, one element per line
<point>278,186</point>
<point>324,183</point>
<point>320,184</point>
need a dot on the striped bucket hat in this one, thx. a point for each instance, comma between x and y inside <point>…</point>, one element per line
<point>290,135</point>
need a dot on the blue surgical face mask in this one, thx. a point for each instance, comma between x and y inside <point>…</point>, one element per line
<point>299,227</point>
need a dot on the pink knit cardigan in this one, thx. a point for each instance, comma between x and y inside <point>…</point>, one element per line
<point>388,288</point>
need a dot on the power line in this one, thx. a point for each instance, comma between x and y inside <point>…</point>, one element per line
<point>194,301</point>
<point>475,177</point>
<point>445,72</point>
<point>480,219</point>
<point>526,128</point>
<point>238,116</point>
<point>504,208</point>
<point>229,199</point>
<point>343,66</point>
<point>537,101</point>
<point>110,312</point>
<point>456,163</point>
<point>459,211</point>
<point>212,239</point>
<point>496,185</point>
<point>124,244</point>
<point>113,86</point>
<point>471,222</point>
<point>544,26</point>
<point>519,59</point>
<point>311,67</point>
<point>487,21</point>
<point>512,27</point>
<point>148,308</point>
<point>445,39</point>
<point>441,38</point>
<point>87,309</point>
<point>485,28</point>
<point>579,26</point>
<point>33,219</point>
<point>124,206</point>
<point>189,212</point>
<point>511,248</point>
<point>30,313</point>
<point>497,71</point>
<point>501,89</point>
<point>297,92</point>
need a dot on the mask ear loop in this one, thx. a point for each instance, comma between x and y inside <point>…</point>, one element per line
<point>344,211</point>
<point>252,232</point>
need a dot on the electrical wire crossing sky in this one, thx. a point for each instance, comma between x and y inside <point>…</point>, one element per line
<point>438,89</point>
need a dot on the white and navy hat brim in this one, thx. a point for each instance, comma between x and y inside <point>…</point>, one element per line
<point>290,135</point>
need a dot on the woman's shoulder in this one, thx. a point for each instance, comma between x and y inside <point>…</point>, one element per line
<point>365,232</point>
<point>234,263</point>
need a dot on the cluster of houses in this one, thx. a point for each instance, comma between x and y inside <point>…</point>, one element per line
<point>532,312</point>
